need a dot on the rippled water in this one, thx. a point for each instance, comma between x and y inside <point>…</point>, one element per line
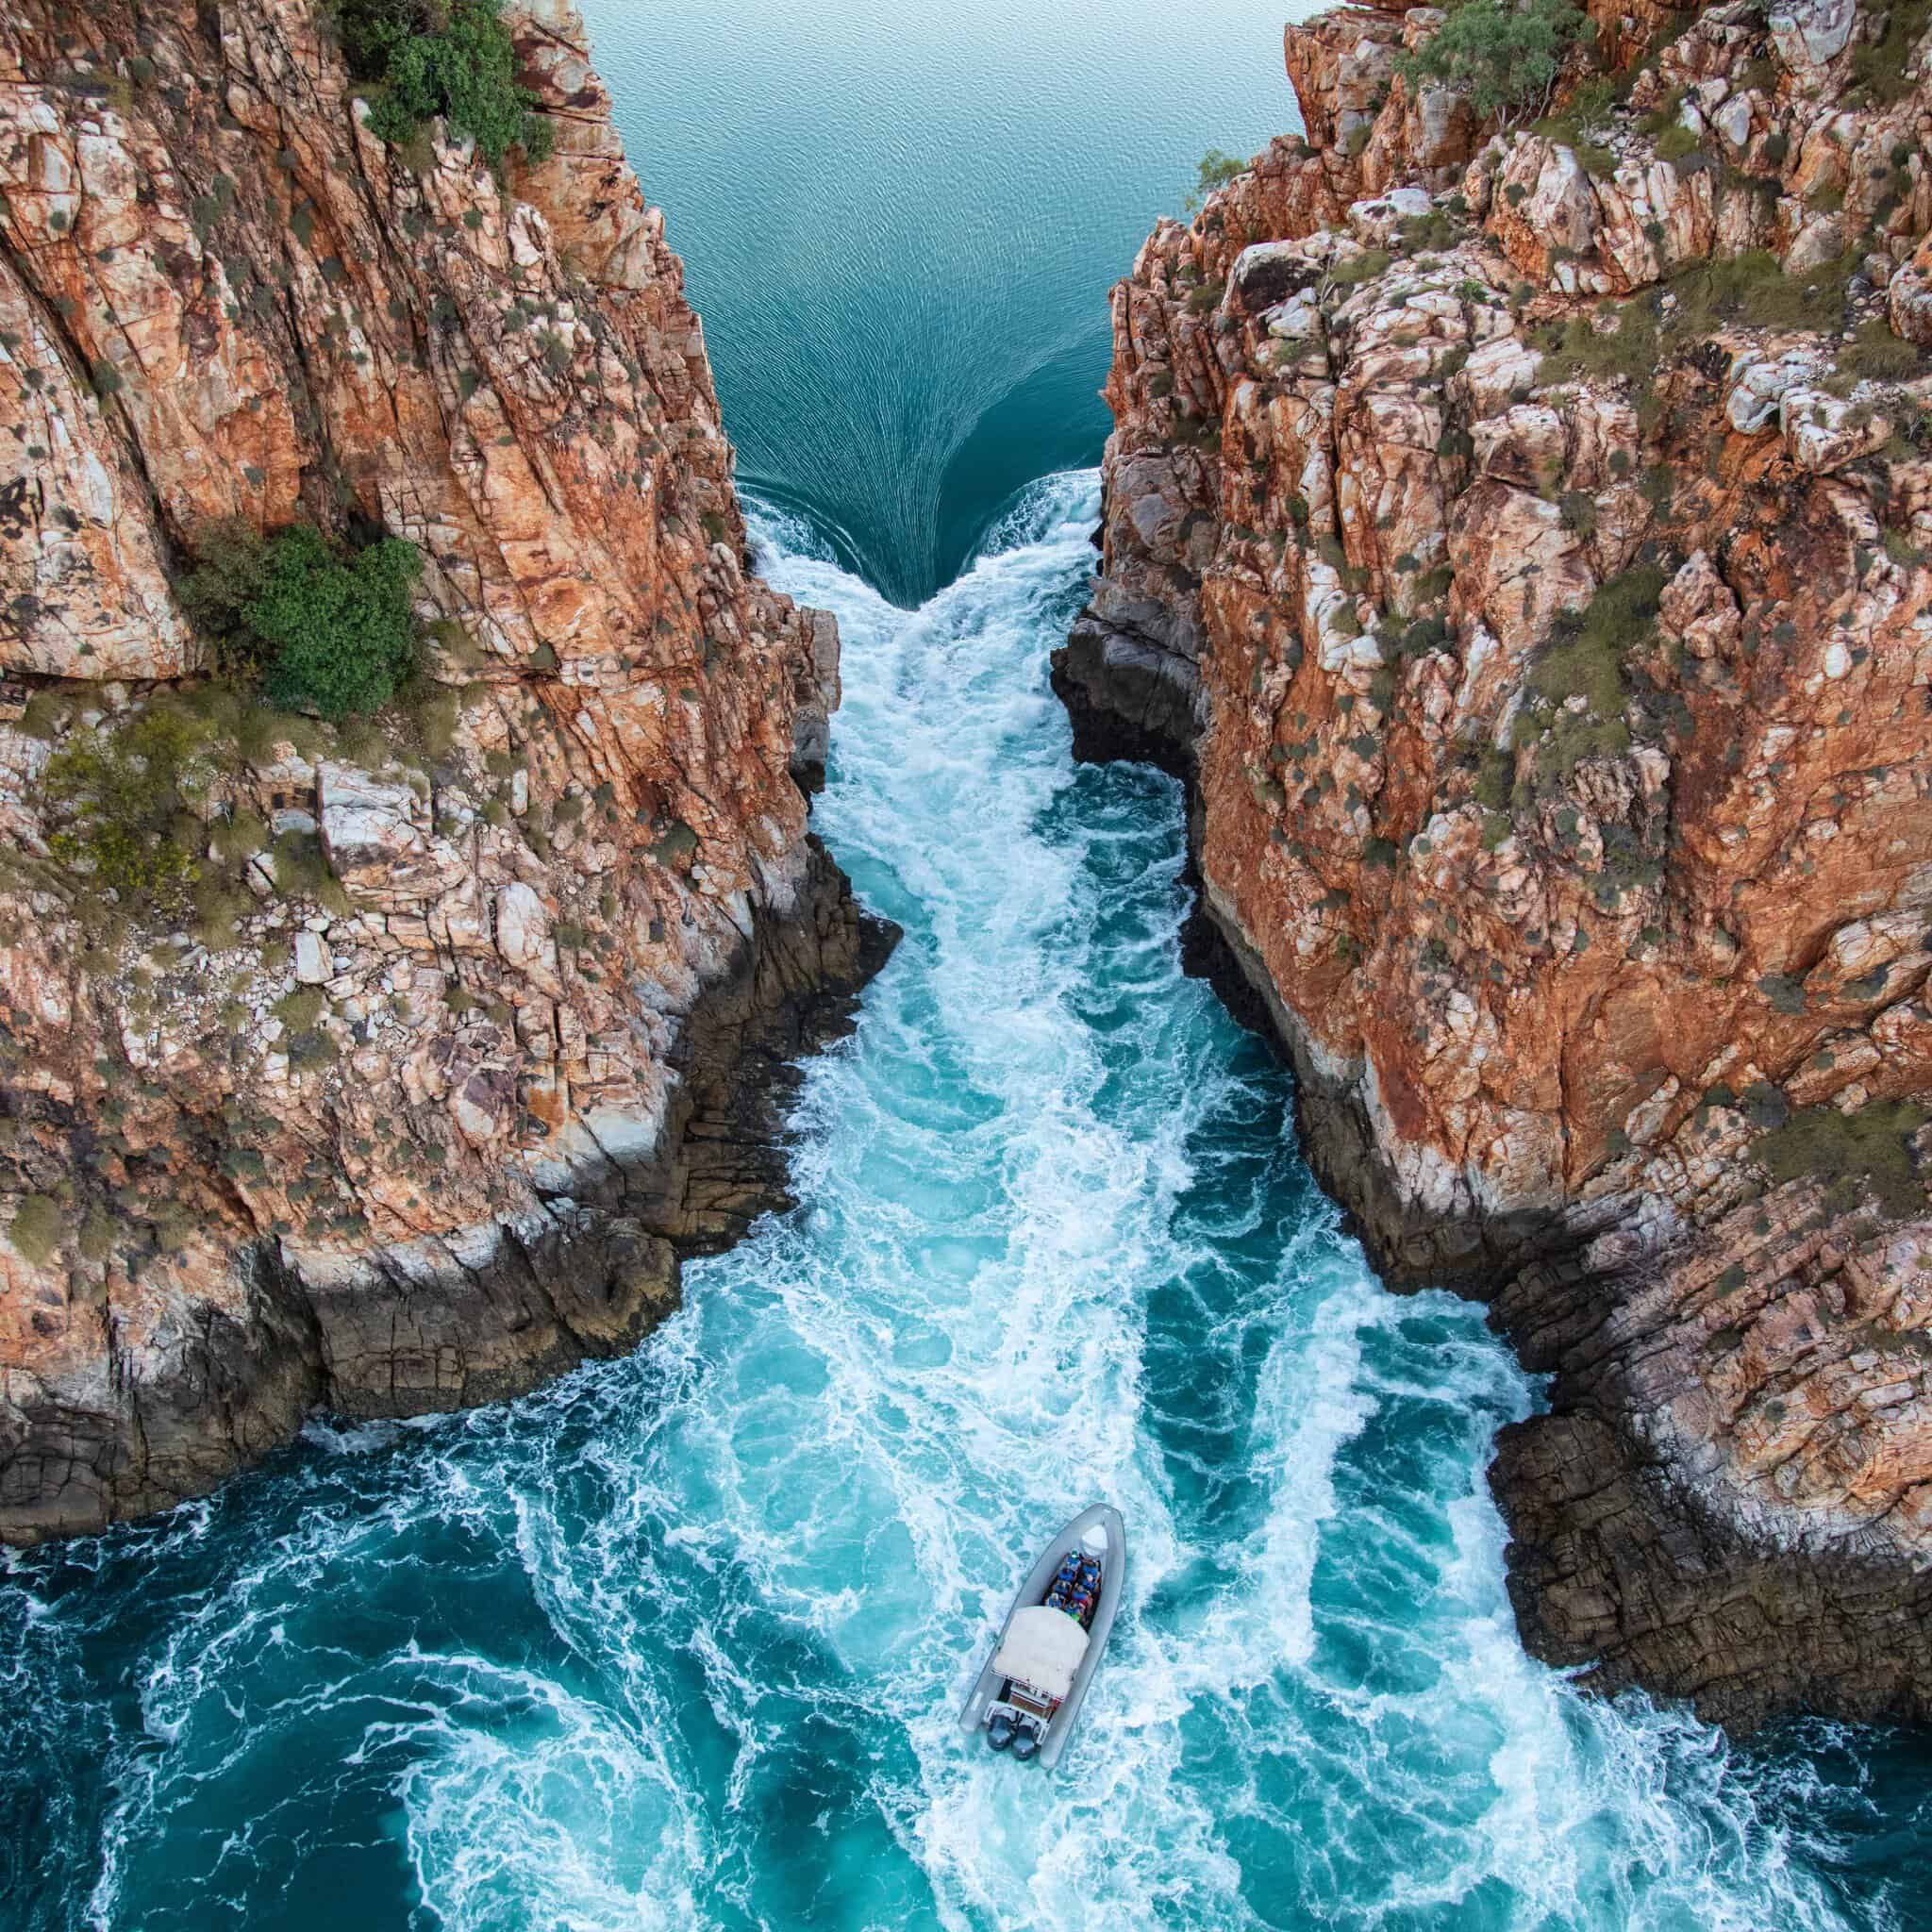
<point>900,224</point>
<point>681,1640</point>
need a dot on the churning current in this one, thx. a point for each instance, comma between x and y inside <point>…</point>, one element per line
<point>681,1642</point>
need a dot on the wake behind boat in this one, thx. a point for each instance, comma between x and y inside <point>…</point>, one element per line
<point>1029,1693</point>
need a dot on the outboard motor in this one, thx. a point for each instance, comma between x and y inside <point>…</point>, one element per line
<point>1027,1746</point>
<point>1001,1731</point>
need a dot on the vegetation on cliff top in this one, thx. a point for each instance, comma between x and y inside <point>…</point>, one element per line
<point>1506,59</point>
<point>452,57</point>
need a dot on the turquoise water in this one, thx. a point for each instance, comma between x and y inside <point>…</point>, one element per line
<point>900,225</point>
<point>681,1640</point>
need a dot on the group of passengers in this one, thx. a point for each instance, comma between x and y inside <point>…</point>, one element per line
<point>1075,1588</point>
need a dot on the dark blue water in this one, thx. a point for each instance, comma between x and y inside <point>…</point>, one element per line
<point>681,1640</point>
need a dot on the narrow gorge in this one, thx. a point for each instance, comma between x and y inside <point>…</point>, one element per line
<point>664,987</point>
<point>1521,540</point>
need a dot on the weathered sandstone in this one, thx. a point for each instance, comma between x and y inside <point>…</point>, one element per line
<point>1544,625</point>
<point>489,1028</point>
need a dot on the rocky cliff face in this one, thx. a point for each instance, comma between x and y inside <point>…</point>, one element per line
<point>1521,538</point>
<point>466,1029</point>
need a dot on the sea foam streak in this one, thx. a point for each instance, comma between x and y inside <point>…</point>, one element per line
<point>681,1639</point>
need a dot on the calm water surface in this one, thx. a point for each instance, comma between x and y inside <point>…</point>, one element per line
<point>680,1641</point>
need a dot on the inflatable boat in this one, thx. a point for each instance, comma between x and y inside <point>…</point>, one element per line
<point>1027,1697</point>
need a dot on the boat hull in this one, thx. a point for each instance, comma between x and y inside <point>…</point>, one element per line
<point>986,1687</point>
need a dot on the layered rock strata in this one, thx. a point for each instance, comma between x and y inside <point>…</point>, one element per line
<point>1521,540</point>
<point>478,1017</point>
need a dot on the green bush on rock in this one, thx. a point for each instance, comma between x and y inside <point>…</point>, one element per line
<point>124,800</point>
<point>1216,170</point>
<point>1504,58</point>
<point>1584,658</point>
<point>1869,1150</point>
<point>342,633</point>
<point>452,57</point>
<point>332,635</point>
<point>36,1229</point>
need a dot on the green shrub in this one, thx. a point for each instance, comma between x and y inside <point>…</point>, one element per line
<point>673,844</point>
<point>36,1229</point>
<point>1436,229</point>
<point>1584,658</point>
<point>1675,141</point>
<point>218,910</point>
<point>1881,73</point>
<point>1587,111</point>
<point>301,872</point>
<point>1216,170</point>
<point>1871,1147</point>
<point>1495,772</point>
<point>97,1233</point>
<point>1504,58</point>
<point>230,574</point>
<point>338,636</point>
<point>452,57</point>
<point>1586,653</point>
<point>122,799</point>
<point>1364,267</point>
<point>300,1010</point>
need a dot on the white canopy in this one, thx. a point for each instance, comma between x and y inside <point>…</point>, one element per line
<point>1043,1648</point>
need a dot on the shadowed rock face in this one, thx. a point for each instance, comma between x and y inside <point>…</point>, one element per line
<point>1544,619</point>
<point>480,1017</point>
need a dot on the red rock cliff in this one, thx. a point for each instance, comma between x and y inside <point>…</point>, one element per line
<point>456,1047</point>
<point>1521,538</point>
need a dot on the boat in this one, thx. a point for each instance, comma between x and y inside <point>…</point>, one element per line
<point>1027,1696</point>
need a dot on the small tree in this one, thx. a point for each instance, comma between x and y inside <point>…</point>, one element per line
<point>230,573</point>
<point>1505,56</point>
<point>340,635</point>
<point>1216,170</point>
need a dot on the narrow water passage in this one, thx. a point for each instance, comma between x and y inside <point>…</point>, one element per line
<point>681,1640</point>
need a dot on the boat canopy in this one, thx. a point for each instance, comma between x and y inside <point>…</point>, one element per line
<point>1042,1647</point>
